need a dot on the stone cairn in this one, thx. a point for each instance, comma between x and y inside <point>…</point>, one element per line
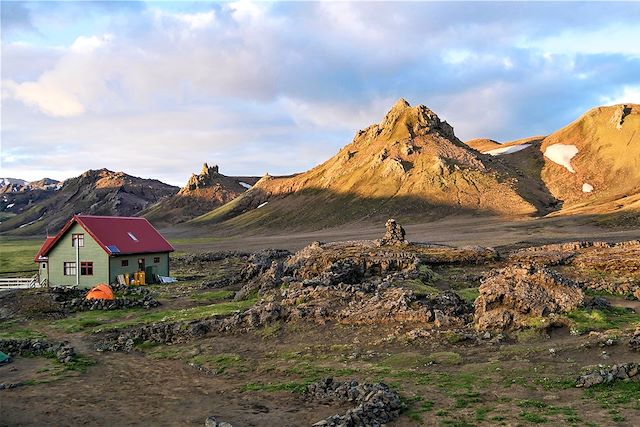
<point>395,234</point>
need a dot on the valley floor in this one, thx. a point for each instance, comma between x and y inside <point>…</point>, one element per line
<point>454,230</point>
<point>445,375</point>
<point>256,381</point>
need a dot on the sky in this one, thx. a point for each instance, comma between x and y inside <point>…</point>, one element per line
<point>155,89</point>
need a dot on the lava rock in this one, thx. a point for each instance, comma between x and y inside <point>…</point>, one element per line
<point>605,375</point>
<point>375,404</point>
<point>62,351</point>
<point>511,296</point>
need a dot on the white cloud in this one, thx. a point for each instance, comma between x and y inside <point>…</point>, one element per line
<point>47,95</point>
<point>191,21</point>
<point>629,95</point>
<point>258,86</point>
<point>84,45</point>
<point>248,11</point>
<point>74,82</point>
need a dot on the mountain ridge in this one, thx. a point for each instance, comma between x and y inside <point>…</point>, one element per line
<point>411,163</point>
<point>96,192</point>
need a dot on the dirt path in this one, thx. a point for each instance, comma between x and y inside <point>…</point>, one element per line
<point>129,389</point>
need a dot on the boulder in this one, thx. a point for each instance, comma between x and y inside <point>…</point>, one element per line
<point>510,297</point>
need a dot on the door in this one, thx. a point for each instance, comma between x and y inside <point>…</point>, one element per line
<point>140,264</point>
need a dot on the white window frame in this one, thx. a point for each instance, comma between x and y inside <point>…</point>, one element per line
<point>71,267</point>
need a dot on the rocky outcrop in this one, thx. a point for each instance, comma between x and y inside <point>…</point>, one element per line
<point>62,351</point>
<point>204,179</point>
<point>264,270</point>
<point>367,303</point>
<point>512,296</point>
<point>375,404</point>
<point>349,262</point>
<point>606,375</point>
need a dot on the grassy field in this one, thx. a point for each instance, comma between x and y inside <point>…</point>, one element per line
<point>16,255</point>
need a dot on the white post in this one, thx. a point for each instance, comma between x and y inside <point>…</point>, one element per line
<point>77,263</point>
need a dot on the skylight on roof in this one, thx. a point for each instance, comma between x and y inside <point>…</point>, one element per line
<point>134,238</point>
<point>113,249</point>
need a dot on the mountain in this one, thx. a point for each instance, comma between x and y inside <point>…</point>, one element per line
<point>591,166</point>
<point>18,195</point>
<point>203,192</point>
<point>5,182</point>
<point>97,192</point>
<point>13,185</point>
<point>411,165</point>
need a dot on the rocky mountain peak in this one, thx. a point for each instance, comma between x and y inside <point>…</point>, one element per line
<point>400,105</point>
<point>209,170</point>
<point>404,121</point>
<point>208,176</point>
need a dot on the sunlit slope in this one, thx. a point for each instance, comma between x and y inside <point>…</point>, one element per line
<point>607,141</point>
<point>410,165</point>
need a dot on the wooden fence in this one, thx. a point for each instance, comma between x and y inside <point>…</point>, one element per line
<point>22,282</point>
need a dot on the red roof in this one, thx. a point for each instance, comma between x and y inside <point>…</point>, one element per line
<point>116,235</point>
<point>44,248</point>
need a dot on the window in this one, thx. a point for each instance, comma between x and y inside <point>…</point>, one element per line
<point>156,260</point>
<point>134,238</point>
<point>69,268</point>
<point>77,238</point>
<point>140,264</point>
<point>44,265</point>
<point>86,268</point>
<point>124,263</point>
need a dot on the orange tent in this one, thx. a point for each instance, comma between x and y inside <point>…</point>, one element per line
<point>102,291</point>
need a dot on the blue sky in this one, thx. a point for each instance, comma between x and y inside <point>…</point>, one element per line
<point>157,88</point>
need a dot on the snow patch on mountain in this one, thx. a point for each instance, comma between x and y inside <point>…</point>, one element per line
<point>562,154</point>
<point>507,150</point>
